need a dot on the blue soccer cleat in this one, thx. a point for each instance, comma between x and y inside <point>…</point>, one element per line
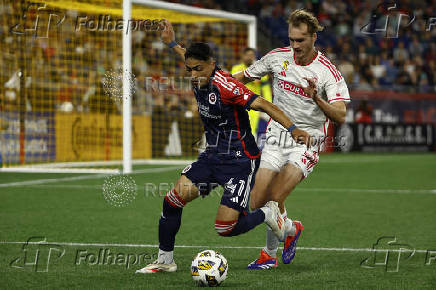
<point>291,244</point>
<point>265,261</point>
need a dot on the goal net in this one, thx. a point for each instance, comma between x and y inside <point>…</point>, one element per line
<point>62,77</point>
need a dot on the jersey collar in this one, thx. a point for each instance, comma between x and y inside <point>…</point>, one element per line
<point>316,55</point>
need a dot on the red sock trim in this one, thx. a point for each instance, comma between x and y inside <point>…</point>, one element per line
<point>223,228</point>
<point>174,199</point>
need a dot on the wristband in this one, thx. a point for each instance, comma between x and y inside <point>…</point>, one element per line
<point>172,44</point>
<point>292,128</point>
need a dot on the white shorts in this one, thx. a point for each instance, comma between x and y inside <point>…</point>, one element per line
<point>280,149</point>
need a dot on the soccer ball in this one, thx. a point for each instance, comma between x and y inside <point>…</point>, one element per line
<point>209,268</point>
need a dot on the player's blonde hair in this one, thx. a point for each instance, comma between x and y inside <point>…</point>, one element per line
<point>302,16</point>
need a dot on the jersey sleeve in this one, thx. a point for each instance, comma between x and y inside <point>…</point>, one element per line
<point>336,89</point>
<point>259,68</point>
<point>234,92</point>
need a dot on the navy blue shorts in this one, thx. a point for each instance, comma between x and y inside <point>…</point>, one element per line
<point>236,177</point>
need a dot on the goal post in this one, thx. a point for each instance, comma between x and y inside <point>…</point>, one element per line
<point>55,111</point>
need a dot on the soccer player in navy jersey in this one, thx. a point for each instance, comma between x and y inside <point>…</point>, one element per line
<point>231,157</point>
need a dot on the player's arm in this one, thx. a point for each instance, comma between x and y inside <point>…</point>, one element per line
<point>241,77</point>
<point>168,37</point>
<point>235,93</point>
<point>256,71</point>
<point>335,111</point>
<point>260,104</point>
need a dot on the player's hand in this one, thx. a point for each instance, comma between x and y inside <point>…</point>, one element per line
<point>302,137</point>
<point>168,34</point>
<point>311,89</point>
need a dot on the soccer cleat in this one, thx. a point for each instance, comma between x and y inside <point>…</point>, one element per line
<point>265,261</point>
<point>156,267</point>
<point>291,244</point>
<point>275,220</point>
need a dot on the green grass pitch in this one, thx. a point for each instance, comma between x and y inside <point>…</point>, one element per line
<point>346,205</point>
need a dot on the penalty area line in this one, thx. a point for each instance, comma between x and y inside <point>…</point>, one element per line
<point>84,177</point>
<point>320,249</point>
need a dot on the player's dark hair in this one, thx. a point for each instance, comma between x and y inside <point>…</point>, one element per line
<point>200,51</point>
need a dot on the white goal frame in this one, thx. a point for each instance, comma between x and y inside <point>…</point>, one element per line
<point>74,167</point>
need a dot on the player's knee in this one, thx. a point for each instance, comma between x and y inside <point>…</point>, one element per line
<point>224,228</point>
<point>174,199</point>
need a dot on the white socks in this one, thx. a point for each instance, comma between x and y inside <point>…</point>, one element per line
<point>272,242</point>
<point>164,257</point>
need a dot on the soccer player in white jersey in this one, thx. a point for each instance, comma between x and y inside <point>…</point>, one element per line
<point>284,163</point>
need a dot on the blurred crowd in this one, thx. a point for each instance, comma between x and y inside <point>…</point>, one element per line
<point>377,45</point>
<point>67,70</point>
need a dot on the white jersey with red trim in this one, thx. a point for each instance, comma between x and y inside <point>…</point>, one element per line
<point>300,108</point>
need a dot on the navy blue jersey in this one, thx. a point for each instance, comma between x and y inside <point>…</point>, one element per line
<point>223,108</point>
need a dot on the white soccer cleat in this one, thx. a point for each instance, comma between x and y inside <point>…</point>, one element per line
<point>274,219</point>
<point>157,267</point>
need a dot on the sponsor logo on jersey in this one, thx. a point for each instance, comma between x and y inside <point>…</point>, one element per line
<point>292,88</point>
<point>212,98</point>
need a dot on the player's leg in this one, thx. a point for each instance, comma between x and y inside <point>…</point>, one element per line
<point>184,192</point>
<point>233,217</point>
<point>270,166</point>
<point>260,194</point>
<point>284,181</point>
<point>301,164</point>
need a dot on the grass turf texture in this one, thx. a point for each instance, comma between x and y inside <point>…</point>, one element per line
<point>349,201</point>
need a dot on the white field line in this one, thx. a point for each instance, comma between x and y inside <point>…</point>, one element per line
<point>70,244</point>
<point>354,190</point>
<point>83,177</point>
<point>371,190</point>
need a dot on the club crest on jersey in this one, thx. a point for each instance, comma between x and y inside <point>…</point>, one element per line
<point>236,91</point>
<point>212,98</point>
